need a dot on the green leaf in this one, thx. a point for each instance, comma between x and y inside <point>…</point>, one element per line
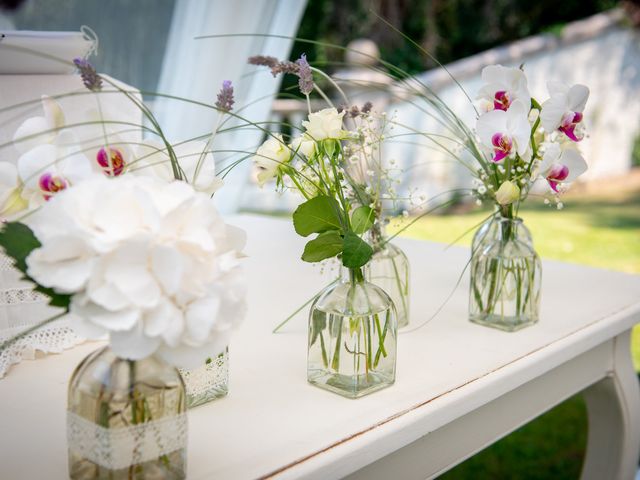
<point>18,241</point>
<point>326,245</point>
<point>362,219</point>
<point>356,252</point>
<point>318,324</point>
<point>317,215</point>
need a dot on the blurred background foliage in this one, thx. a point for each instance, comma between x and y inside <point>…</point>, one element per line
<point>448,29</point>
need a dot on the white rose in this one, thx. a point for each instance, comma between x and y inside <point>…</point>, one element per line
<point>304,145</point>
<point>325,124</point>
<point>270,157</point>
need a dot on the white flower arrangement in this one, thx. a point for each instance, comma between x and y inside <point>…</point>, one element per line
<point>149,263</point>
<point>54,156</point>
<point>522,141</point>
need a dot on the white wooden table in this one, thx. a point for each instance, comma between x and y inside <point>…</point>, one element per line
<point>459,388</point>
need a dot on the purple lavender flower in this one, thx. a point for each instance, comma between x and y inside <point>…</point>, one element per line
<point>263,61</point>
<point>274,64</point>
<point>225,97</point>
<point>90,77</point>
<point>305,76</point>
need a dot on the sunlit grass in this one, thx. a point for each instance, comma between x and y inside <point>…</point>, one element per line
<point>597,233</point>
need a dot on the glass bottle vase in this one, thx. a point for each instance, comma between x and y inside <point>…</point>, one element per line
<point>126,419</point>
<point>506,272</point>
<point>489,227</point>
<point>207,382</point>
<point>389,270</point>
<point>352,337</point>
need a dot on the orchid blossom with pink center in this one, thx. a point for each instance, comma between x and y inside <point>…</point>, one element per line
<point>561,165</point>
<point>570,121</point>
<point>564,110</point>
<point>503,86</point>
<point>111,160</point>
<point>502,145</point>
<point>505,132</point>
<point>51,184</point>
<point>51,158</point>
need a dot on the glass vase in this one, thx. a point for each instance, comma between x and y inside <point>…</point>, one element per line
<point>389,270</point>
<point>505,277</point>
<point>207,382</point>
<point>489,227</point>
<point>352,337</point>
<point>126,419</point>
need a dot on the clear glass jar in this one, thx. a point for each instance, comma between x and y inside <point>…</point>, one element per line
<point>207,382</point>
<point>505,277</point>
<point>389,270</point>
<point>489,227</point>
<point>352,337</point>
<point>126,419</point>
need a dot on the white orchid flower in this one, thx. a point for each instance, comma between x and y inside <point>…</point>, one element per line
<point>561,165</point>
<point>50,157</point>
<point>35,131</point>
<point>270,158</point>
<point>325,124</point>
<point>564,109</point>
<point>47,169</point>
<point>503,86</point>
<point>151,159</point>
<point>505,132</point>
<point>105,141</point>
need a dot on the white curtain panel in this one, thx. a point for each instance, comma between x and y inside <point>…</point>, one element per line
<point>195,69</point>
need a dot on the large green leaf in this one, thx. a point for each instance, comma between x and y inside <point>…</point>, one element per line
<point>362,219</point>
<point>317,215</point>
<point>356,252</point>
<point>326,245</point>
<point>18,241</point>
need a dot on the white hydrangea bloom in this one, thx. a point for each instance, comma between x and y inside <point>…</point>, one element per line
<point>152,264</point>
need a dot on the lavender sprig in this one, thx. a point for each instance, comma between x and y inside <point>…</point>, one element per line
<point>90,77</point>
<point>225,97</point>
<point>274,64</point>
<point>305,76</point>
<point>300,68</point>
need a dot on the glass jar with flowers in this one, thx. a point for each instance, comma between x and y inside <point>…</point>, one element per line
<point>352,329</point>
<point>521,141</point>
<point>150,280</point>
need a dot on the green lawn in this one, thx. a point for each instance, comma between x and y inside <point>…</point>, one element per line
<point>601,233</point>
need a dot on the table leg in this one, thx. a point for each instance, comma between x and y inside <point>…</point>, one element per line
<point>613,406</point>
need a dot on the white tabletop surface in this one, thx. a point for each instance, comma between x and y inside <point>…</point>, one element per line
<point>273,422</point>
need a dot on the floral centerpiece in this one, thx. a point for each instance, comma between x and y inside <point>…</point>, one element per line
<point>521,141</point>
<point>55,154</point>
<point>352,323</point>
<point>124,239</point>
<point>156,269</point>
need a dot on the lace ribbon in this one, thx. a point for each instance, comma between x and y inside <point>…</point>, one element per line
<point>117,448</point>
<point>21,308</point>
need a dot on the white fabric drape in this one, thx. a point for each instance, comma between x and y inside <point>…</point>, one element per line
<point>195,69</point>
